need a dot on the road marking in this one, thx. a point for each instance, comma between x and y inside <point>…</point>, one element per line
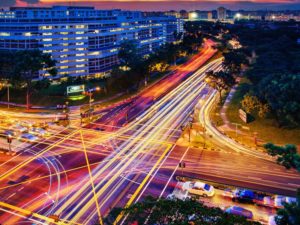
<point>11,195</point>
<point>173,173</point>
<point>132,181</point>
<point>20,189</point>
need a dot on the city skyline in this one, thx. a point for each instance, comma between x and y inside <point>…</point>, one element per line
<point>163,5</point>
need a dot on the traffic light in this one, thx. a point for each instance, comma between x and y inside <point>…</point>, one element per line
<point>182,164</point>
<point>9,139</point>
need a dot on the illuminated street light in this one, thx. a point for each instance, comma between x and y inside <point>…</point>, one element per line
<point>193,15</point>
<point>89,92</point>
<point>238,16</point>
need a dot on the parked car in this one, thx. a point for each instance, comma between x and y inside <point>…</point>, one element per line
<point>18,128</point>
<point>28,137</point>
<point>240,211</point>
<point>228,193</point>
<point>244,195</point>
<point>272,220</point>
<point>9,132</point>
<point>199,188</point>
<point>179,194</point>
<point>279,200</point>
<point>38,131</point>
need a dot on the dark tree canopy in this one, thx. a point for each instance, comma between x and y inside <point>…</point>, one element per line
<point>275,71</point>
<point>220,81</point>
<point>286,155</point>
<point>21,67</point>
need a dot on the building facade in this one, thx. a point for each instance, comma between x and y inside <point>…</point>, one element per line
<point>222,14</point>
<point>83,41</point>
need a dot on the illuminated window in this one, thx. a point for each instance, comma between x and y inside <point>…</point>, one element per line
<point>79,26</point>
<point>27,34</point>
<point>4,34</point>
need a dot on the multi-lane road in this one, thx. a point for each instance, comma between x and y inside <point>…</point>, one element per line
<point>66,173</point>
<point>80,173</point>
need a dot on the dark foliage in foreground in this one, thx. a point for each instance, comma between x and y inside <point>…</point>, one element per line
<point>177,212</point>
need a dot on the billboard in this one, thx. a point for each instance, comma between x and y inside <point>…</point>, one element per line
<point>244,116</point>
<point>75,89</point>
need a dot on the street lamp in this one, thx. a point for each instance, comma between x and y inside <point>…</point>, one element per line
<point>8,95</point>
<point>89,92</point>
<point>190,126</point>
<point>238,16</point>
<point>236,128</point>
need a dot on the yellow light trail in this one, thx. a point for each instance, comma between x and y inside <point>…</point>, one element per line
<point>143,183</point>
<point>29,213</point>
<point>133,154</point>
<point>91,180</point>
<point>20,166</point>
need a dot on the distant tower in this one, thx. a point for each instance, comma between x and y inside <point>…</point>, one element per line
<point>221,13</point>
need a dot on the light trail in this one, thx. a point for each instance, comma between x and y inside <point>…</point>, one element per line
<point>204,118</point>
<point>180,105</point>
<point>139,134</point>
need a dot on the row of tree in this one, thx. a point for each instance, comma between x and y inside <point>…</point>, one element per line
<point>287,155</point>
<point>19,68</point>
<point>133,69</point>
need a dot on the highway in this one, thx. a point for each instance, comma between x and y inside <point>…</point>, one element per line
<point>127,156</point>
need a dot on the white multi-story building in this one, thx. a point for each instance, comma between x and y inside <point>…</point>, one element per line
<point>83,41</point>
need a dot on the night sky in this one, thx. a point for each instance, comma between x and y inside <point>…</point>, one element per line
<point>158,5</point>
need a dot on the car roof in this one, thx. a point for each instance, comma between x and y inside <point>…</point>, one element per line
<point>27,135</point>
<point>199,185</point>
<point>238,208</point>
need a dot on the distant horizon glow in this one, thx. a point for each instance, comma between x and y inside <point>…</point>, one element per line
<point>163,5</point>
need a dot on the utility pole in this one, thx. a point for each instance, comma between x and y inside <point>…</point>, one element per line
<point>190,126</point>
<point>90,94</point>
<point>8,95</point>
<point>236,128</point>
<point>204,136</point>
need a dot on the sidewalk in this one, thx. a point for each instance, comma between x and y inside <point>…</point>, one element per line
<point>239,132</point>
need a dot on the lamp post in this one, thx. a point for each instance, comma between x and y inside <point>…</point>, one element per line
<point>8,95</point>
<point>90,94</point>
<point>67,110</point>
<point>236,128</point>
<point>190,126</point>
